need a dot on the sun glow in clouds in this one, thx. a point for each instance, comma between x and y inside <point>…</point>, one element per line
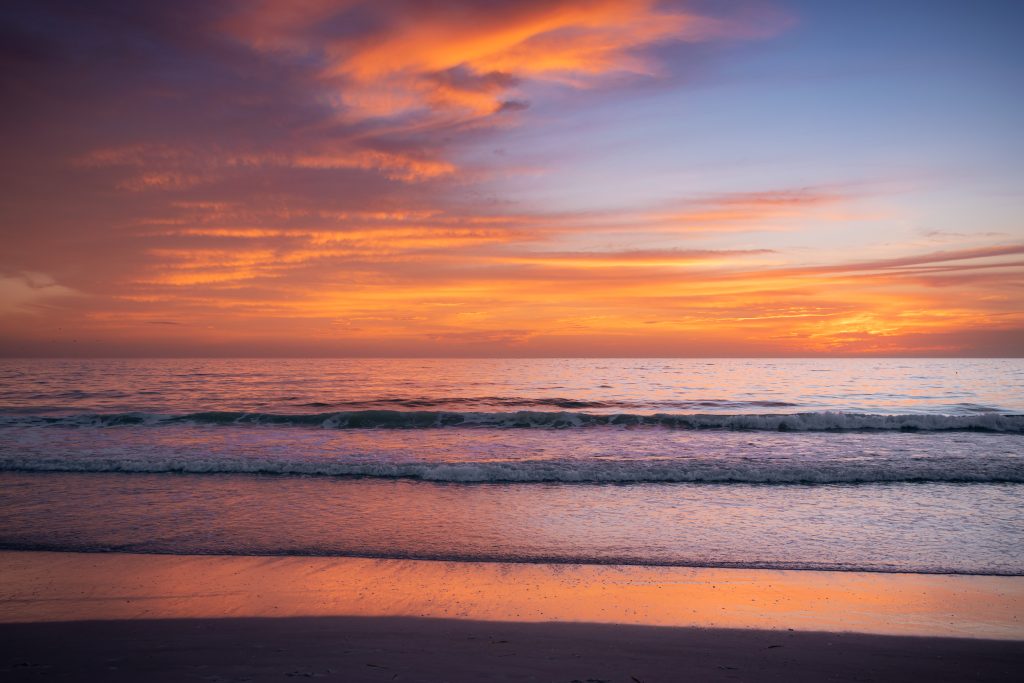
<point>617,177</point>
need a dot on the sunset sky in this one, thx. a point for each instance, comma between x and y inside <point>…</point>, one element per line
<point>533,178</point>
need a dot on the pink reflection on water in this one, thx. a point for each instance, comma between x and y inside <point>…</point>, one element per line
<point>594,385</point>
<point>69,586</point>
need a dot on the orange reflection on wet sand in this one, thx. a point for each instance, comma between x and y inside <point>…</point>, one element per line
<point>69,586</point>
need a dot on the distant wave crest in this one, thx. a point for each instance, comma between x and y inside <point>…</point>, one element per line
<point>523,402</point>
<point>690,470</point>
<point>396,419</point>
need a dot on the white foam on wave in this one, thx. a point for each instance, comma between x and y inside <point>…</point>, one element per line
<point>392,419</point>
<point>692,470</point>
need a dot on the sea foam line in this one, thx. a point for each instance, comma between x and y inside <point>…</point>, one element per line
<point>396,419</point>
<point>619,560</point>
<point>569,471</point>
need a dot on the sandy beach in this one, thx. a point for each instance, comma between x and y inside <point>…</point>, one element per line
<point>118,617</point>
<point>409,649</point>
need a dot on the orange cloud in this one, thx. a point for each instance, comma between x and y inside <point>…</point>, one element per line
<point>463,61</point>
<point>649,259</point>
<point>164,167</point>
<point>406,282</point>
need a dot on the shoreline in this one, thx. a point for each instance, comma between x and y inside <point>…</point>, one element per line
<point>555,561</point>
<point>61,586</point>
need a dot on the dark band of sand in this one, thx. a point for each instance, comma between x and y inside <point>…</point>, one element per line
<point>435,650</point>
<point>134,617</point>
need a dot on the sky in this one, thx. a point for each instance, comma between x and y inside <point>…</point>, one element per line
<point>532,178</point>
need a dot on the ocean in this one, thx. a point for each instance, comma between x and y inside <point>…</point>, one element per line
<point>883,465</point>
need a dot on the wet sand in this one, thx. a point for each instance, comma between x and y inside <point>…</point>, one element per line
<point>75,616</point>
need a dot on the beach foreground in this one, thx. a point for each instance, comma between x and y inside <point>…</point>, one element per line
<point>120,616</point>
<point>411,649</point>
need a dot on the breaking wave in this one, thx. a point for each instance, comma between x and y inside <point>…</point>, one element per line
<point>472,402</point>
<point>395,419</point>
<point>582,471</point>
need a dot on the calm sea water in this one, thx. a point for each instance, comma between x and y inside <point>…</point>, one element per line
<point>875,465</point>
